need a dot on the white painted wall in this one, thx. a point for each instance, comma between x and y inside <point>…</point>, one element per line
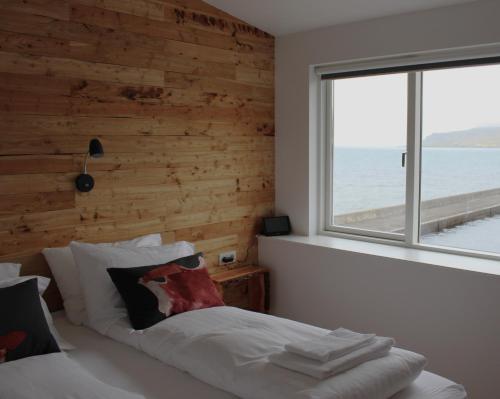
<point>452,316</point>
<point>443,28</point>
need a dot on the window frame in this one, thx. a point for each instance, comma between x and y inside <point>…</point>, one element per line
<point>411,236</point>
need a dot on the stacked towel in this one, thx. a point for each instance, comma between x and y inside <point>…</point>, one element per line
<point>332,354</point>
<point>331,346</point>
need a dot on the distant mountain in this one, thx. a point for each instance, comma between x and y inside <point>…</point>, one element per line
<point>481,137</point>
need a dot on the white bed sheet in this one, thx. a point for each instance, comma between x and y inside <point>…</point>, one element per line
<point>228,348</point>
<point>54,376</point>
<point>127,368</point>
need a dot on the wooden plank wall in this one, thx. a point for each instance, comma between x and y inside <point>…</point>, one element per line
<point>180,94</point>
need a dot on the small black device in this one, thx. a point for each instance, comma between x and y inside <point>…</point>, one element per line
<point>276,226</point>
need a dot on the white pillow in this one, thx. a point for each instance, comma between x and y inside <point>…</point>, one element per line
<point>103,302</point>
<point>65,272</point>
<point>54,376</point>
<point>43,283</point>
<point>9,270</point>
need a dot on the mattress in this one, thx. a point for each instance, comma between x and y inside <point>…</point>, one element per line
<point>127,368</point>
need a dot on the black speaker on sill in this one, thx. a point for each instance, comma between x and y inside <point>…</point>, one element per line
<point>276,226</point>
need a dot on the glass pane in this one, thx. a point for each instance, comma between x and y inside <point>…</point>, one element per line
<point>369,140</point>
<point>461,158</point>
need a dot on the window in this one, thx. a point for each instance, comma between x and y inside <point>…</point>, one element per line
<point>413,154</point>
<point>369,184</point>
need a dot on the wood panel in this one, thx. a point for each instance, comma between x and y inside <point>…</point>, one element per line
<point>180,94</point>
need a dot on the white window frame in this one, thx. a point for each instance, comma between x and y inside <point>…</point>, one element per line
<point>411,237</point>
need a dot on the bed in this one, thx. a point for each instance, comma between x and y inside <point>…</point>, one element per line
<point>221,349</point>
<point>127,368</point>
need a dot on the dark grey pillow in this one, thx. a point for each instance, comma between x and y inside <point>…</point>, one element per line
<point>23,328</point>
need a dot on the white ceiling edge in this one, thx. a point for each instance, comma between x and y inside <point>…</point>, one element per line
<point>283,17</point>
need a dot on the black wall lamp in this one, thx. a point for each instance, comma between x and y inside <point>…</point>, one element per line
<point>84,182</point>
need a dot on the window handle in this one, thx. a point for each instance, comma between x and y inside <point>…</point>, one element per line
<point>403,159</point>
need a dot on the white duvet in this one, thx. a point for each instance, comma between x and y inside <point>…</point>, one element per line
<point>53,376</point>
<point>228,348</point>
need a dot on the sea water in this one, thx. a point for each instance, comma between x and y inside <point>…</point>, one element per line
<point>479,235</point>
<point>367,178</point>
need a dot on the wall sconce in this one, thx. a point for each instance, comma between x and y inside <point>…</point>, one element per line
<point>84,182</point>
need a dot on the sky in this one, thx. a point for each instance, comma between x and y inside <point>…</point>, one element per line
<point>371,111</point>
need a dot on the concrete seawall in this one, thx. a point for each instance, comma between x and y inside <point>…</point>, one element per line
<point>436,214</point>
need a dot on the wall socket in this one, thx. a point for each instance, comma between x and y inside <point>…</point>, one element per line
<point>226,258</point>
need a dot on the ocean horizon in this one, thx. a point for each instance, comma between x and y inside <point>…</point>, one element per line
<point>369,178</point>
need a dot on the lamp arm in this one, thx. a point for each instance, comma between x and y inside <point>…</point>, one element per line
<point>85,163</point>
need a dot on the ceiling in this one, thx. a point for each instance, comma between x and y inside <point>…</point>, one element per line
<point>281,17</point>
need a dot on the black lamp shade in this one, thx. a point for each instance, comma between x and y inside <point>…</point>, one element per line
<point>95,149</point>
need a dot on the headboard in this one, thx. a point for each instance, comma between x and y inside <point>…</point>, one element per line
<point>36,265</point>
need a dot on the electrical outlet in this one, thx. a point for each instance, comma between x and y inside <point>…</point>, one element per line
<point>226,258</point>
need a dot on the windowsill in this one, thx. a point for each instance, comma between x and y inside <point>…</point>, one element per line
<point>468,263</point>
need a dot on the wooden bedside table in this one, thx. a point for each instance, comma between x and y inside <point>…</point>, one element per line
<point>245,287</point>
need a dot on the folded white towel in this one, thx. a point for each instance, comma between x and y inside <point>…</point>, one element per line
<point>380,347</point>
<point>331,346</point>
